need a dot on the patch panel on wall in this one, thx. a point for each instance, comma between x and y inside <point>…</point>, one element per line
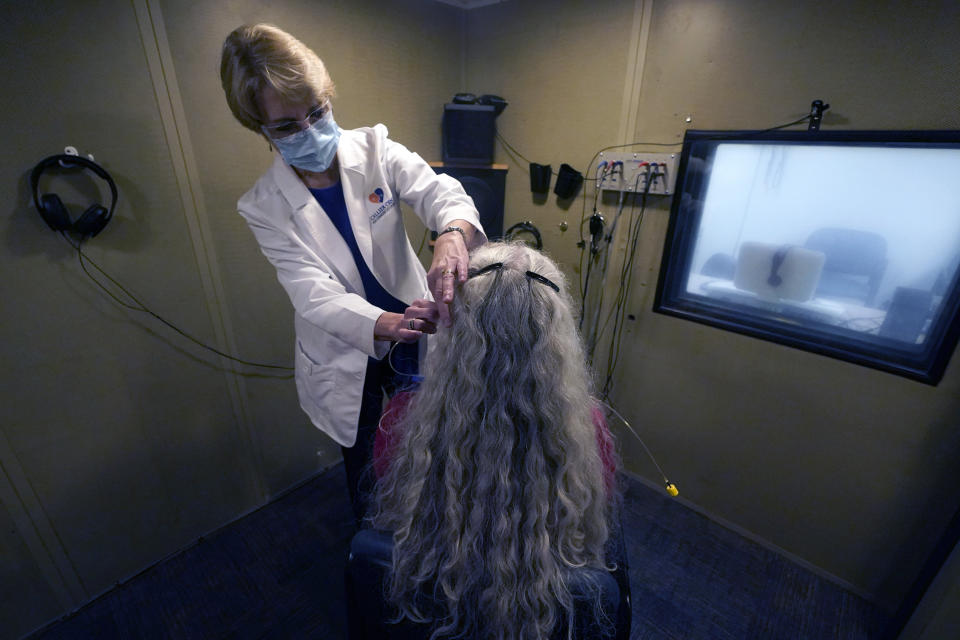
<point>636,169</point>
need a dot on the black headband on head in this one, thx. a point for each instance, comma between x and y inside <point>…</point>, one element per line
<point>498,265</point>
<point>543,280</point>
<point>472,273</point>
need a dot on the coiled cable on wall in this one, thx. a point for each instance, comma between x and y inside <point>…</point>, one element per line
<point>137,305</point>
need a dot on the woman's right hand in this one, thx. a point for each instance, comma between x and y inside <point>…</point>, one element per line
<point>419,318</point>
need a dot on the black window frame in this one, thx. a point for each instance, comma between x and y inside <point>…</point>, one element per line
<point>926,364</point>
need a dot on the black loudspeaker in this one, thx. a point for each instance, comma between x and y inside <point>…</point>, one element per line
<point>487,186</point>
<point>51,208</point>
<point>907,315</point>
<point>468,133</point>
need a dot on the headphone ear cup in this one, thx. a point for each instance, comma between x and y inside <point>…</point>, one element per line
<point>92,222</point>
<point>53,212</point>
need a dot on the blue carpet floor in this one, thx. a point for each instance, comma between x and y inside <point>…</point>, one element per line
<point>278,573</point>
<point>692,578</point>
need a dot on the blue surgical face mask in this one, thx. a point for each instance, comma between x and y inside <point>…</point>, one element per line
<point>313,148</point>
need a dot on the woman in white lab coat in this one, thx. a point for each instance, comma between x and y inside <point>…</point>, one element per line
<point>327,216</point>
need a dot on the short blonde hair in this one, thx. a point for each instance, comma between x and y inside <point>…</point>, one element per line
<point>262,55</point>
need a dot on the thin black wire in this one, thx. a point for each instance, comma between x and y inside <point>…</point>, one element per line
<point>627,273</point>
<point>593,256</point>
<point>585,282</point>
<point>583,213</point>
<point>595,333</point>
<point>139,306</point>
<point>619,320</point>
<point>585,274</point>
<point>597,330</point>
<point>620,297</point>
<point>423,241</point>
<point>510,147</point>
<point>626,281</point>
<point>606,402</point>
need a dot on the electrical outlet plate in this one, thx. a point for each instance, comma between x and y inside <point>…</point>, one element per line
<point>662,172</point>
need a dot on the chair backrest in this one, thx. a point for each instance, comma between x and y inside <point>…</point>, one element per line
<point>720,265</point>
<point>369,615</point>
<point>850,252</point>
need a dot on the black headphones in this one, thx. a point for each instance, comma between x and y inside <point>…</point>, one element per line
<point>527,227</point>
<point>488,99</point>
<point>775,279</point>
<point>93,220</point>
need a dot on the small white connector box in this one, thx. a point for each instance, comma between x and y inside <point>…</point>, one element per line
<point>635,170</point>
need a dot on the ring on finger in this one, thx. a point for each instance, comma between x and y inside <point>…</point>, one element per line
<point>410,324</point>
<point>447,272</point>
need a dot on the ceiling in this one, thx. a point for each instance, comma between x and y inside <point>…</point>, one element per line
<point>470,4</point>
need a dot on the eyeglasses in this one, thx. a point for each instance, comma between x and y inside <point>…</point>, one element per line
<point>287,128</point>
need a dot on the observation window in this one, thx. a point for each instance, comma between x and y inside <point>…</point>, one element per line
<point>841,243</point>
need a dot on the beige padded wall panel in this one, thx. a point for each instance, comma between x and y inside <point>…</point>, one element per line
<point>124,432</point>
<point>850,470</point>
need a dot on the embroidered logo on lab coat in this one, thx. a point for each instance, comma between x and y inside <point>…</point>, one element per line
<point>376,198</point>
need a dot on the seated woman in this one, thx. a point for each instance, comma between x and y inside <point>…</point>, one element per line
<point>496,476</point>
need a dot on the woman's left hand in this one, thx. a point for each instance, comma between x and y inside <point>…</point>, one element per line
<point>419,318</point>
<point>422,316</point>
<point>450,262</point>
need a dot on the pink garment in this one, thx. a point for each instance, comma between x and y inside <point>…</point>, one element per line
<point>385,443</point>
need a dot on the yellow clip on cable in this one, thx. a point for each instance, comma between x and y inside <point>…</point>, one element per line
<point>671,488</point>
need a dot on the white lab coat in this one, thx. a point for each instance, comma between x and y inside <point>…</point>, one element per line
<point>333,322</point>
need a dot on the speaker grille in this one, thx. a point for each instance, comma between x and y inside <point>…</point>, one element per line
<point>468,133</point>
<point>487,187</point>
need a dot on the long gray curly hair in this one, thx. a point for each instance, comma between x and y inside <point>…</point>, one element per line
<point>497,488</point>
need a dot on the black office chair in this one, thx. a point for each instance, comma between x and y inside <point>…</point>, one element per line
<point>855,264</point>
<point>720,265</point>
<point>368,614</point>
